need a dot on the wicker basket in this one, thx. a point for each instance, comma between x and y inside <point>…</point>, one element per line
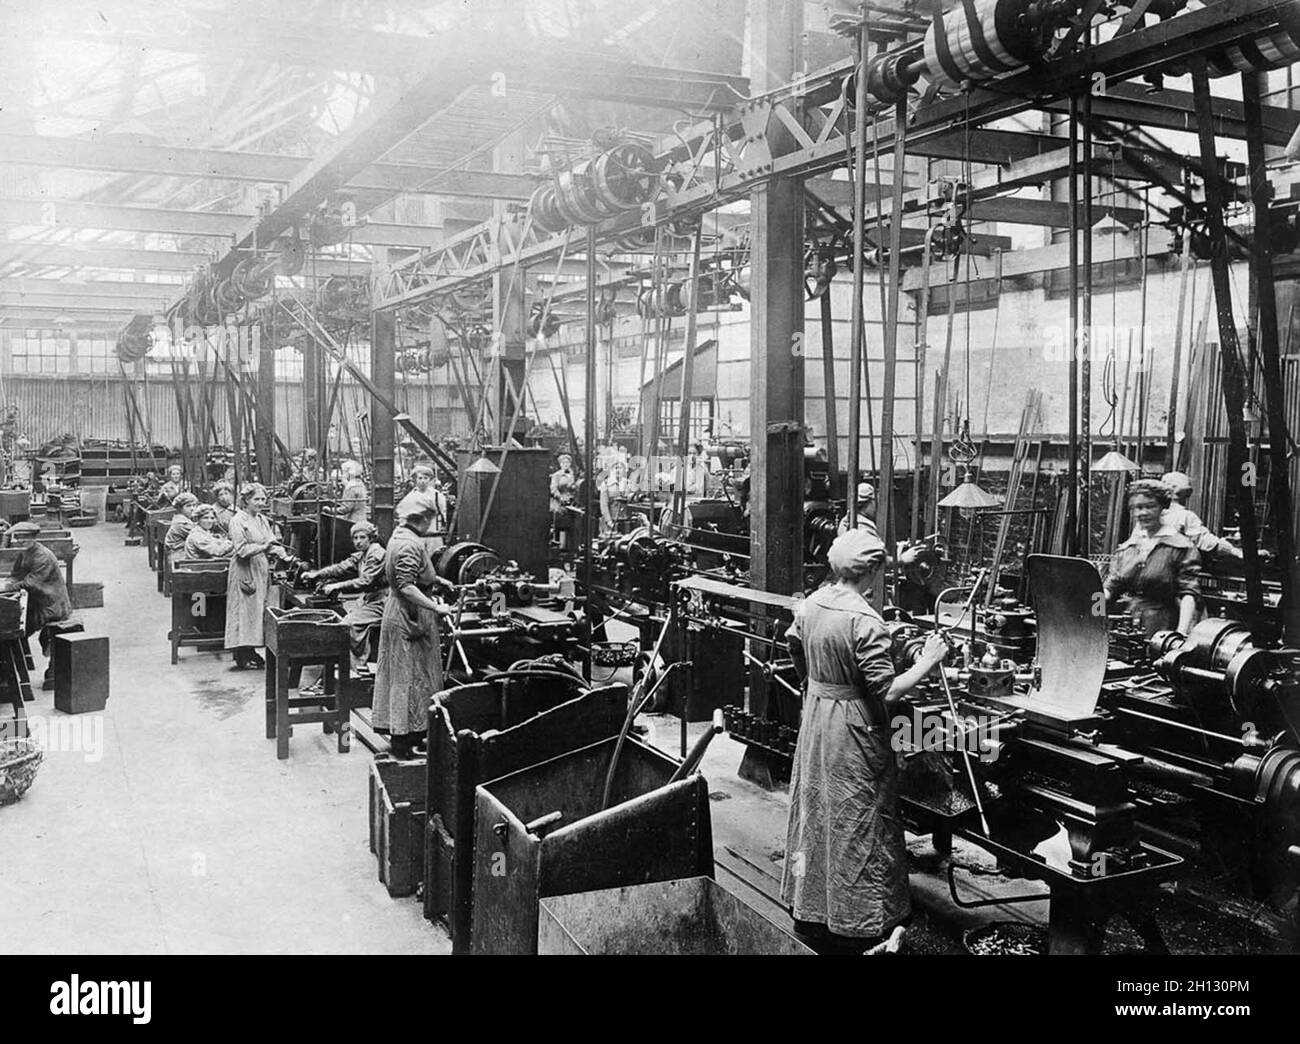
<point>19,760</point>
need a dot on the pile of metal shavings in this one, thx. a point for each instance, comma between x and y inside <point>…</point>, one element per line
<point>1007,939</point>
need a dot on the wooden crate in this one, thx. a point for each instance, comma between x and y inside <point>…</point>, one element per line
<point>87,595</point>
<point>397,822</point>
<point>479,732</point>
<point>80,664</point>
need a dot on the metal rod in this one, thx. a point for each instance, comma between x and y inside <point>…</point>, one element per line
<point>1072,449</point>
<point>828,388</point>
<point>1270,360</point>
<point>1085,343</point>
<point>965,754</point>
<point>856,326</point>
<point>589,423</point>
<point>688,375</point>
<point>1239,473</point>
<point>1187,266</point>
<point>885,496</point>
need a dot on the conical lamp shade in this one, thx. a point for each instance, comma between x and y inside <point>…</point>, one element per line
<point>482,466</point>
<point>1115,462</point>
<point>969,496</point>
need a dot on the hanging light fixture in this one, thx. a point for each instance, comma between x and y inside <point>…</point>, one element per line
<point>1115,463</point>
<point>483,466</point>
<point>969,497</point>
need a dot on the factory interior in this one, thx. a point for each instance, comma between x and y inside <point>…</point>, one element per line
<point>792,477</point>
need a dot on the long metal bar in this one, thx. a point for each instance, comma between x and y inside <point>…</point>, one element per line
<point>857,328</point>
<point>828,389</point>
<point>1072,441</point>
<point>885,495</point>
<point>1085,343</point>
<point>1186,266</point>
<point>688,375</point>
<point>1240,475</point>
<point>1271,365</point>
<point>589,430</point>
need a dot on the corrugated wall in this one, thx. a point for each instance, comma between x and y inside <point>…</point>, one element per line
<point>93,407</point>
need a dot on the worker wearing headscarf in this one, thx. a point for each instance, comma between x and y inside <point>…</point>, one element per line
<point>223,500</point>
<point>410,654</point>
<point>424,490</point>
<point>1187,522</point>
<point>866,511</point>
<point>355,500</point>
<point>846,865</point>
<point>173,487</point>
<point>181,524</point>
<point>254,542</point>
<point>38,572</point>
<point>204,541</point>
<point>362,572</point>
<point>1156,571</point>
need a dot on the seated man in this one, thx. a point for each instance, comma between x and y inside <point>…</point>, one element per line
<point>38,572</point>
<point>362,572</point>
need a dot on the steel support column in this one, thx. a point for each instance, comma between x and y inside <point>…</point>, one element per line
<point>264,411</point>
<point>312,365</point>
<point>383,371</point>
<point>776,333</point>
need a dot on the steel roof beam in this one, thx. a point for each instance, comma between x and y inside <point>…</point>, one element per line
<point>40,150</point>
<point>110,217</point>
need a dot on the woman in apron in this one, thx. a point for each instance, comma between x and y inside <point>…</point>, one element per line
<point>845,862</point>
<point>410,654</point>
<point>253,541</point>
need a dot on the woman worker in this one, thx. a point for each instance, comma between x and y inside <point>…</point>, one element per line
<point>410,655</point>
<point>354,503</point>
<point>846,865</point>
<point>181,525</point>
<point>424,487</point>
<point>362,572</point>
<point>204,541</point>
<point>1156,570</point>
<point>38,572</point>
<point>173,487</point>
<point>223,495</point>
<point>253,540</point>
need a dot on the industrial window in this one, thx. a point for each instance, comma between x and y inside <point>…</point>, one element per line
<point>41,351</point>
<point>288,364</point>
<point>96,355</point>
<point>701,419</point>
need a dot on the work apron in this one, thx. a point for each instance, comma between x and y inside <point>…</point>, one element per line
<point>846,858</point>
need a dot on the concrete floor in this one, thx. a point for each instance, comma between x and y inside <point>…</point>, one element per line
<point>187,835</point>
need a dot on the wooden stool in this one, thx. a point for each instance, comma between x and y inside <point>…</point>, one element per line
<point>15,682</point>
<point>296,638</point>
